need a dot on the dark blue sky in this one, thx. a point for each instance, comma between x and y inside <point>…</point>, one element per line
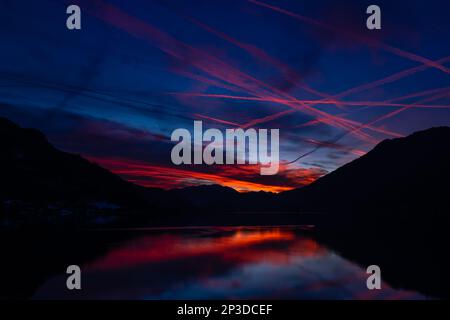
<point>115,90</point>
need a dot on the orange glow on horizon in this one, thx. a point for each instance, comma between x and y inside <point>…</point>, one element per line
<point>170,178</point>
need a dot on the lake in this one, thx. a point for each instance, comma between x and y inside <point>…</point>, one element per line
<point>219,263</point>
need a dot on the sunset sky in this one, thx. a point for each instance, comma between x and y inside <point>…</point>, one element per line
<point>137,70</point>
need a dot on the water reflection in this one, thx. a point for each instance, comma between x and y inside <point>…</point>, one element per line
<point>221,263</point>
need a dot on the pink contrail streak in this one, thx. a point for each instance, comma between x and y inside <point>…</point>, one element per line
<point>371,85</point>
<point>317,102</point>
<point>207,63</point>
<point>368,41</point>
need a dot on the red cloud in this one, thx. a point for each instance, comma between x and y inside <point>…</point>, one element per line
<point>242,178</point>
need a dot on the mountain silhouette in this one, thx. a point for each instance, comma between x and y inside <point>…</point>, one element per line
<point>31,168</point>
<point>399,175</point>
<point>404,175</point>
<point>38,180</point>
<point>206,195</point>
<point>408,175</point>
<point>220,198</point>
<point>389,207</point>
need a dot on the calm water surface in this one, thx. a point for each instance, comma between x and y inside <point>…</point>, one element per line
<point>220,263</point>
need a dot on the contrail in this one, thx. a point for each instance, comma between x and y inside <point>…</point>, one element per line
<point>393,113</point>
<point>388,103</point>
<point>371,85</point>
<point>389,115</point>
<point>217,120</point>
<point>205,62</point>
<point>289,73</point>
<point>368,41</point>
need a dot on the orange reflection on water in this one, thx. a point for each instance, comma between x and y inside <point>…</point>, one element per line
<point>239,245</point>
<point>225,263</point>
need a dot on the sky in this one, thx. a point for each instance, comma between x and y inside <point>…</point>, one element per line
<point>115,90</point>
